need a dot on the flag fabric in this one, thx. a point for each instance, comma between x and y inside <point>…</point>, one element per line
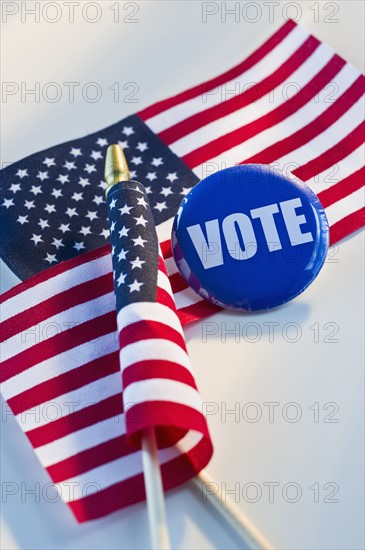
<point>159,389</point>
<point>60,375</point>
<point>296,104</point>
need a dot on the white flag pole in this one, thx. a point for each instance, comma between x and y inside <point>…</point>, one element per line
<point>154,492</point>
<point>229,512</point>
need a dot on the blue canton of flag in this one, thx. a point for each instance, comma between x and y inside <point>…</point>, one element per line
<point>53,202</point>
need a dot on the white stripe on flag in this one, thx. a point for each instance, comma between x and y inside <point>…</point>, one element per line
<point>286,128</point>
<point>346,206</point>
<point>257,109</point>
<point>60,364</point>
<point>43,291</point>
<point>152,311</point>
<point>164,282</point>
<point>339,171</point>
<point>264,68</point>
<point>70,402</point>
<point>154,349</point>
<point>81,440</point>
<point>171,266</point>
<point>337,131</point>
<point>162,389</point>
<point>164,230</point>
<point>101,477</point>
<point>186,297</point>
<point>58,323</point>
<point>121,469</point>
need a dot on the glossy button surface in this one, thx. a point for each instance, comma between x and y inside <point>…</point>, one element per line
<point>250,238</point>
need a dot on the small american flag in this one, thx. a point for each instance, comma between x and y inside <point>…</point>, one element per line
<point>299,106</point>
<point>157,380</point>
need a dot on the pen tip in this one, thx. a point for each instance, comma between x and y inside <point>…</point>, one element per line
<point>116,167</point>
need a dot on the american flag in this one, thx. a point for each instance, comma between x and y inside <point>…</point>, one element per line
<point>296,105</point>
<point>157,379</point>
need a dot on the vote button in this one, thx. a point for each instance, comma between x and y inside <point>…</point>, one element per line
<point>250,238</point>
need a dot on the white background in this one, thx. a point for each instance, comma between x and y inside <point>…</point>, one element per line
<point>166,51</point>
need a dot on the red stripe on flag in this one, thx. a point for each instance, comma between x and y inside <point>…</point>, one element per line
<point>349,224</point>
<point>246,132</point>
<point>166,249</point>
<point>177,282</point>
<point>63,267</point>
<point>64,300</point>
<point>165,299</point>
<point>311,130</point>
<point>196,312</point>
<point>104,502</point>
<point>50,347</point>
<point>161,264</point>
<point>147,330</point>
<point>236,71</point>
<point>249,96</point>
<point>64,383</point>
<point>333,155</point>
<point>91,458</point>
<point>131,491</point>
<point>343,188</point>
<point>157,368</point>
<point>150,414</point>
<point>89,415</point>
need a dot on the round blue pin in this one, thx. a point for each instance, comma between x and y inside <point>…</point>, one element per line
<point>250,238</point>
